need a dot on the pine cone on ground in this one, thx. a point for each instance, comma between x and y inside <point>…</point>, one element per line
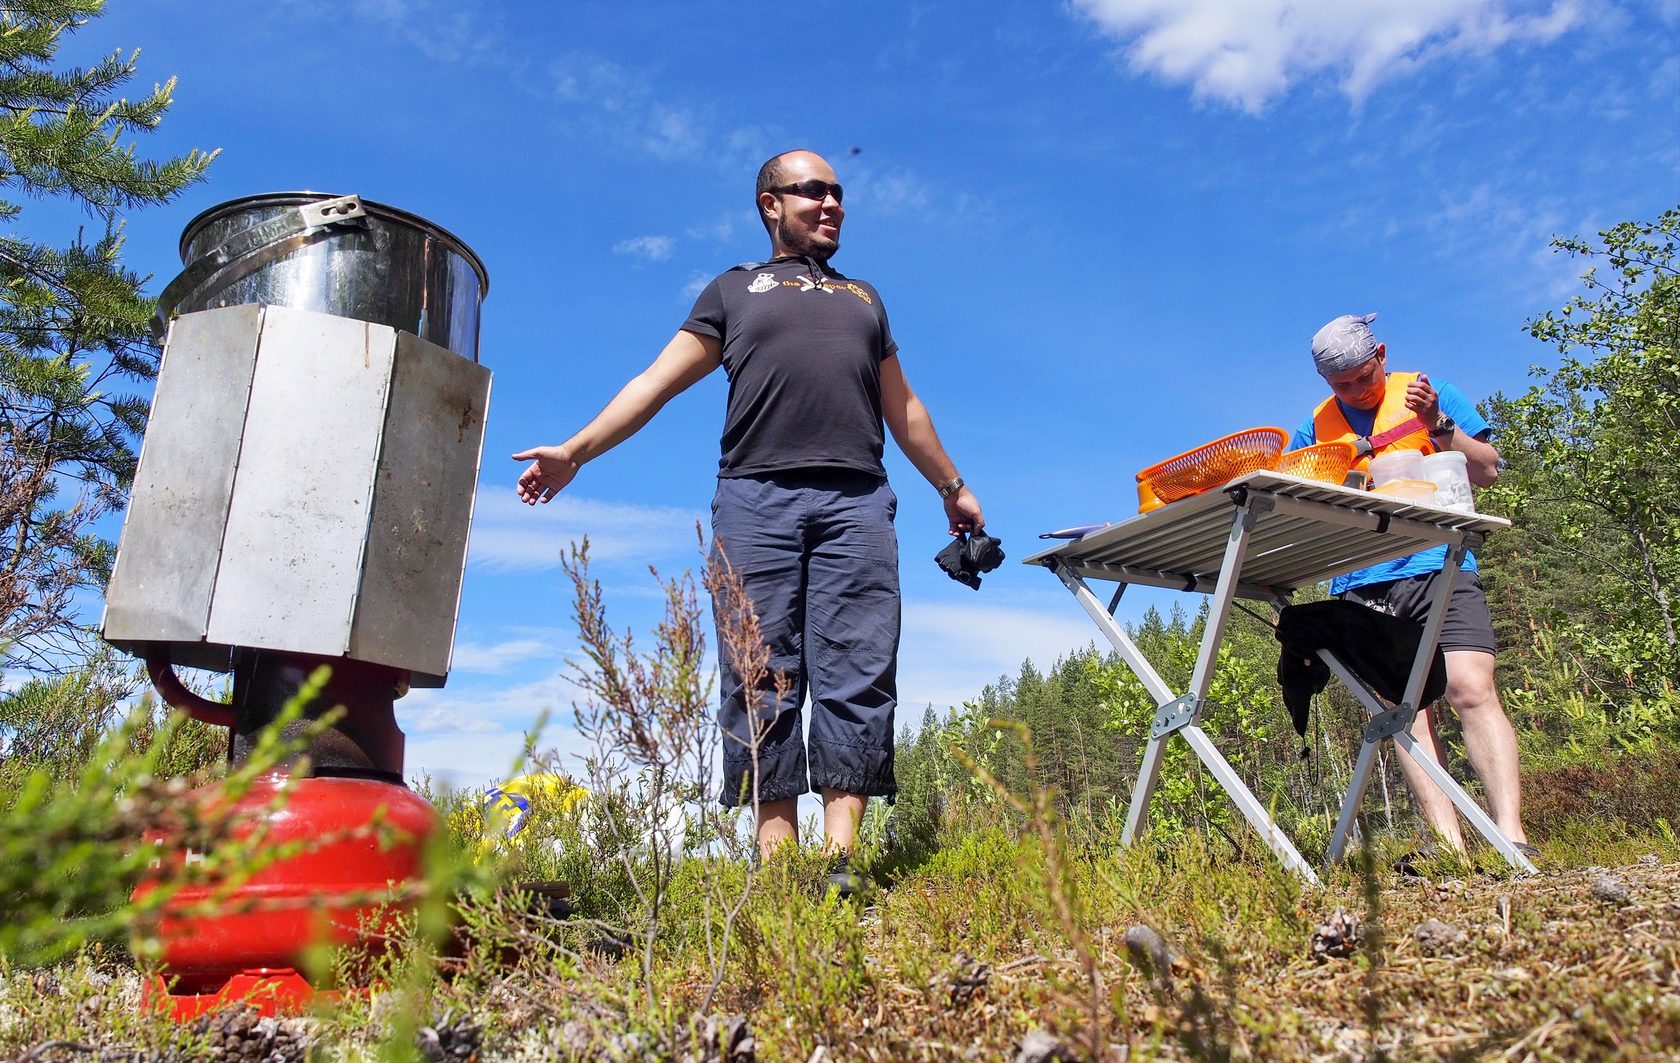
<point>450,1040</point>
<point>722,1040</point>
<point>241,1033</point>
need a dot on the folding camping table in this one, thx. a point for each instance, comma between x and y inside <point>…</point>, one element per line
<point>1264,536</point>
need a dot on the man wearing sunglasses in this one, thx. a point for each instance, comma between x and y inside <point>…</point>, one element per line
<point>1382,412</point>
<point>803,512</point>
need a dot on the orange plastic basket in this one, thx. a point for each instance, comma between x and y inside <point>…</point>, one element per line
<point>1209,466</point>
<point>1329,462</point>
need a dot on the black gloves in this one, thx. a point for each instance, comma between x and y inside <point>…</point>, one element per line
<point>969,555</point>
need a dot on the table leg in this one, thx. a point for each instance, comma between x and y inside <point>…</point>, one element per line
<point>1431,636</point>
<point>1243,522</point>
<point>1149,770</point>
<point>1225,592</point>
<point>1149,773</point>
<point>1117,637</point>
<point>1246,802</point>
<point>1465,804</point>
<point>1351,801</point>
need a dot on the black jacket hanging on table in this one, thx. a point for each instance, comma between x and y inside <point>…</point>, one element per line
<point>1376,647</point>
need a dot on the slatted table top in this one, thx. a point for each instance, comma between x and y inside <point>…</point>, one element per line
<point>1316,531</point>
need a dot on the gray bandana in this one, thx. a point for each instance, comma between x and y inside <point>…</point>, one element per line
<point>1345,343</point>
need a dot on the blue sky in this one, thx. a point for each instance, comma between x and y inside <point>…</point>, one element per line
<point>1105,231</point>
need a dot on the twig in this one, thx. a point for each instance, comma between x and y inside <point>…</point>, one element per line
<point>38,1052</point>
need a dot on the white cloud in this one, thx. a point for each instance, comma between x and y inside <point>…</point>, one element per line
<point>1249,52</point>
<point>674,132</point>
<point>509,536</point>
<point>652,248</point>
<point>948,652</point>
<point>696,284</point>
<point>623,105</point>
<point>476,708</point>
<point>722,228</point>
<point>901,191</point>
<point>443,30</point>
<point>499,657</point>
<point>1665,80</point>
<point>469,733</point>
<point>584,78</point>
<point>466,735</point>
<point>460,761</point>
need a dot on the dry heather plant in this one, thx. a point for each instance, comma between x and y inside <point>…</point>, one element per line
<point>645,718</point>
<point>652,767</point>
<point>742,644</point>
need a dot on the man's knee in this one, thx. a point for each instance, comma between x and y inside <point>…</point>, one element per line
<point>1470,682</point>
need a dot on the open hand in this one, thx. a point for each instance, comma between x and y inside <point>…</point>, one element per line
<point>551,469</point>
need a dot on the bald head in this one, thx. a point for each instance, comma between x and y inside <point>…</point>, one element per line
<point>798,200</point>
<point>774,172</point>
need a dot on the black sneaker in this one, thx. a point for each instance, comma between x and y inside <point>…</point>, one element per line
<point>845,882</point>
<point>1419,861</point>
<point>1411,864</point>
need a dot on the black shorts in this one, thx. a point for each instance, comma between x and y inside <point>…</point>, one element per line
<point>1469,625</point>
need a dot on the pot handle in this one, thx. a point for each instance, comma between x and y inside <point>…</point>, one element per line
<point>176,695</point>
<point>248,251</point>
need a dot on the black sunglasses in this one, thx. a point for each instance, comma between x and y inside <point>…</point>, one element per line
<point>812,189</point>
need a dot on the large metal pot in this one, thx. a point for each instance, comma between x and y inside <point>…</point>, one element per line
<point>339,255</point>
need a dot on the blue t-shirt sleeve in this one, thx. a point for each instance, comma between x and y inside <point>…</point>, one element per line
<point>1305,436</point>
<point>1453,403</point>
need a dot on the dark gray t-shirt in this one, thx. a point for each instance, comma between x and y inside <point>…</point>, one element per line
<point>804,366</point>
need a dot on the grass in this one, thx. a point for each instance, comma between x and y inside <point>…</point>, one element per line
<point>965,957</point>
<point>999,924</point>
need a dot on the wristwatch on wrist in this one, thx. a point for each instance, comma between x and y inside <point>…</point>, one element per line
<point>1443,427</point>
<point>947,490</point>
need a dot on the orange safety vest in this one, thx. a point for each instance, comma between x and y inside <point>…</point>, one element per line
<point>1329,423</point>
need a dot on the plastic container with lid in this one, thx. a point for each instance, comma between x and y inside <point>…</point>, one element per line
<point>1396,465</point>
<point>1449,472</point>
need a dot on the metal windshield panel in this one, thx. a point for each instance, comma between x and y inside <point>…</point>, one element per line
<point>422,509</point>
<point>162,583</point>
<point>299,517</point>
<point>306,485</point>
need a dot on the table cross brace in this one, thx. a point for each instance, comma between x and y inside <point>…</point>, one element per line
<point>1181,713</point>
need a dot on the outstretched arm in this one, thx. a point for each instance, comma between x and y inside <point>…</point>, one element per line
<point>912,429</point>
<point>688,357</point>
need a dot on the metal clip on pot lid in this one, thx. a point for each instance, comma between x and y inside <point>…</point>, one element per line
<point>252,249</point>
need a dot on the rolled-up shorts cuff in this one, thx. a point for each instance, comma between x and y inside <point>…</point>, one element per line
<point>853,769</point>
<point>780,776</point>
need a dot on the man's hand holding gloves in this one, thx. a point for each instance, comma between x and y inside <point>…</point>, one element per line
<point>968,555</point>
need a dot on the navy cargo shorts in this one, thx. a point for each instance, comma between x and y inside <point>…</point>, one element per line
<point>816,553</point>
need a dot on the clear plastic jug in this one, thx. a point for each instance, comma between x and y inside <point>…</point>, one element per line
<point>1449,473</point>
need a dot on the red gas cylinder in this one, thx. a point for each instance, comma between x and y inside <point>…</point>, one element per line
<point>359,837</point>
